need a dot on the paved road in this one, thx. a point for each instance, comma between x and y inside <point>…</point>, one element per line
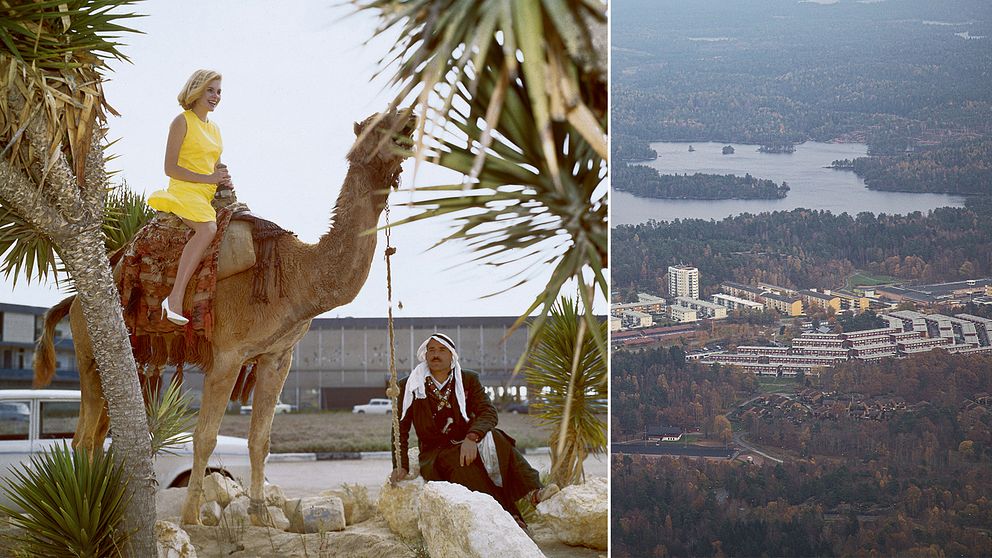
<point>308,478</point>
<point>668,449</point>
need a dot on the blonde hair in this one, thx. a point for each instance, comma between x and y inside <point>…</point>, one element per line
<point>195,86</point>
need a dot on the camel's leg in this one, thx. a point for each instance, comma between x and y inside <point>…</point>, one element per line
<point>270,373</point>
<point>92,406</point>
<point>217,386</point>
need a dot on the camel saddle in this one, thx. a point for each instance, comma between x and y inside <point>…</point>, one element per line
<point>148,268</point>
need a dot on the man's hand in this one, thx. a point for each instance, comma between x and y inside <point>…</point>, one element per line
<point>397,475</point>
<point>470,450</point>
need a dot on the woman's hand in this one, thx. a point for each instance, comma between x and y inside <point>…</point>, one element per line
<point>222,177</point>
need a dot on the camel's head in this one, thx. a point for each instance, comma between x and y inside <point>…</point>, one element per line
<point>384,139</point>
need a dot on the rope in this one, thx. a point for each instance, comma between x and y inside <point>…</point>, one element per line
<point>393,391</point>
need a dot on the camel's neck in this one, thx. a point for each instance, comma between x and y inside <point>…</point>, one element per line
<point>339,263</point>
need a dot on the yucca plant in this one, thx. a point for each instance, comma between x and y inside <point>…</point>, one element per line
<point>30,253</point>
<point>515,95</point>
<point>53,56</point>
<point>170,418</point>
<point>71,504</point>
<point>567,376</point>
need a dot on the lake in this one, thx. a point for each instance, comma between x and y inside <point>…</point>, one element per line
<point>812,185</point>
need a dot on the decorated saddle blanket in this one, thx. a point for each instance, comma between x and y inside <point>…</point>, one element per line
<point>148,271</point>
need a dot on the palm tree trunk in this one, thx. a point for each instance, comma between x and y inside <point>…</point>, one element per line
<point>87,262</point>
<point>72,218</point>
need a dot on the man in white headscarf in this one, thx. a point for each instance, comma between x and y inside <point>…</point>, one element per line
<point>456,429</point>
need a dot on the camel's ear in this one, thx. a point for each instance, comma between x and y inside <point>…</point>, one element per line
<point>358,129</point>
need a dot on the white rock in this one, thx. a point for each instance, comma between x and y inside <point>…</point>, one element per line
<point>274,496</point>
<point>221,489</point>
<point>290,505</point>
<point>456,521</point>
<point>210,513</point>
<point>400,507</point>
<point>357,507</point>
<point>172,541</point>
<point>277,518</point>
<point>235,515</point>
<point>579,514</point>
<point>317,514</point>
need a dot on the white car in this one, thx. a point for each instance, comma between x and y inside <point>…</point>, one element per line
<point>33,420</point>
<point>280,409</point>
<point>374,407</point>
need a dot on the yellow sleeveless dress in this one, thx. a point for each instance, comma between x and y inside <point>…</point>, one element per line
<point>199,152</point>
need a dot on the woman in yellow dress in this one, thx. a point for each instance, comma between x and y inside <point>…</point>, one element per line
<point>192,163</point>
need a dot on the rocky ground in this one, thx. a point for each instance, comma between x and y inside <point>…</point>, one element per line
<point>371,539</point>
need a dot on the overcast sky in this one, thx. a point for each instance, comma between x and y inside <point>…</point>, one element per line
<point>297,74</point>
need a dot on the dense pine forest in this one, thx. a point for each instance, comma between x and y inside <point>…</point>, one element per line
<point>957,168</point>
<point>915,482</point>
<point>803,249</point>
<point>648,183</point>
<point>892,74</point>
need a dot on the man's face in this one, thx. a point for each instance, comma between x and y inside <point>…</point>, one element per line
<point>438,357</point>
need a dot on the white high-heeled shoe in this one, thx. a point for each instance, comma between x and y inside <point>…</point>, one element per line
<point>168,314</point>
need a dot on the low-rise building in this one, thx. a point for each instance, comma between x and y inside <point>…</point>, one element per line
<point>740,290</point>
<point>662,434</point>
<point>788,305</point>
<point>703,308</point>
<point>633,318</point>
<point>824,300</point>
<point>682,314</point>
<point>731,302</point>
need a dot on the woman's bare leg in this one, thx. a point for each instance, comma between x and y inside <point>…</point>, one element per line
<point>203,234</point>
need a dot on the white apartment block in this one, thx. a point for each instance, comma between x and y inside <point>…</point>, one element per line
<point>736,303</point>
<point>703,308</point>
<point>683,280</point>
<point>681,314</point>
<point>633,318</point>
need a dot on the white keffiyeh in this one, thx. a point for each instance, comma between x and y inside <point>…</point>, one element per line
<point>415,383</point>
<point>415,389</point>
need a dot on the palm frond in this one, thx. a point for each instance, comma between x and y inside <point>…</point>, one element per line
<point>71,504</point>
<point>26,250</point>
<point>54,53</point>
<point>566,376</point>
<point>29,252</point>
<point>516,94</point>
<point>170,418</point>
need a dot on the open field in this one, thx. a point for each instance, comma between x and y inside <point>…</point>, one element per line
<point>865,279</point>
<point>777,385</point>
<point>344,431</point>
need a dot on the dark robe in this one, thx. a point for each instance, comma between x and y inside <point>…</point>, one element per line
<point>440,451</point>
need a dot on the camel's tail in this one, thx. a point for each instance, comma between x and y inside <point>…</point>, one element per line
<point>44,355</point>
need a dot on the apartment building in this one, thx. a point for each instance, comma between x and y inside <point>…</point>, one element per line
<point>703,308</point>
<point>732,303</point>
<point>683,280</point>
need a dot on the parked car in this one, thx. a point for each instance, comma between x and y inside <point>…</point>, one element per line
<point>14,411</point>
<point>374,407</point>
<point>281,408</point>
<point>517,407</point>
<point>51,417</point>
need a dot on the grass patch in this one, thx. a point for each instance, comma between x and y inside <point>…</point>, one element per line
<point>865,279</point>
<point>344,431</point>
<point>771,385</point>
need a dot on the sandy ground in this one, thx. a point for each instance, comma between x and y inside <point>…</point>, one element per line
<point>311,477</point>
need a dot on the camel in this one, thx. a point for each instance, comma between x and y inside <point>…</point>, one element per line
<point>316,278</point>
